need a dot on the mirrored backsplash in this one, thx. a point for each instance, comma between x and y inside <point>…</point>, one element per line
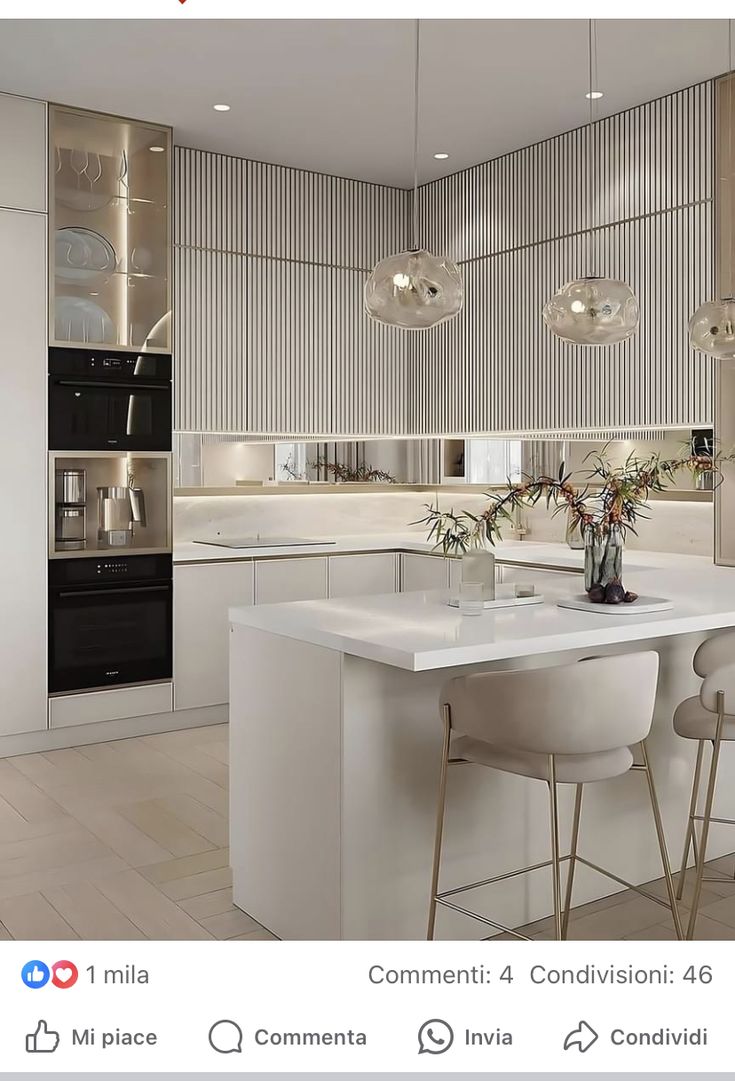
<point>209,461</point>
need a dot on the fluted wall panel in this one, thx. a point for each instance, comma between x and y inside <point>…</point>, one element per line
<point>237,205</point>
<point>520,227</point>
<point>270,336</point>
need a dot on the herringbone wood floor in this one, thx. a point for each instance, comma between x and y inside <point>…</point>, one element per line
<point>128,840</point>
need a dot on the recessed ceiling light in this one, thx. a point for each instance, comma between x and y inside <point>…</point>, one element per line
<point>441,156</point>
<point>221,108</point>
<point>157,149</point>
<point>594,94</point>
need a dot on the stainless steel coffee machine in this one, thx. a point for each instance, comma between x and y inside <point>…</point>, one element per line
<point>70,509</point>
<point>119,510</point>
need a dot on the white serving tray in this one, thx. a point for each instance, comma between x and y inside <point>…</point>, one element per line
<point>643,606</point>
<point>503,602</point>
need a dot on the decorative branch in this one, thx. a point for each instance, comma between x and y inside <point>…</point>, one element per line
<point>620,501</point>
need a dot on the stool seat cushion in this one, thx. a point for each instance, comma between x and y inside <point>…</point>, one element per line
<point>570,768</point>
<point>693,721</point>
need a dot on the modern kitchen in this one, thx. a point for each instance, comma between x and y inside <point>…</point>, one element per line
<point>350,437</point>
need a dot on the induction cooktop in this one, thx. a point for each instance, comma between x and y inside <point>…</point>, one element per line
<point>262,542</point>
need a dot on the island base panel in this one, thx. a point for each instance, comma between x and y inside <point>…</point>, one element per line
<point>335,769</point>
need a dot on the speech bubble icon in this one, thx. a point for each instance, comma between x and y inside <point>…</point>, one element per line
<point>435,1037</point>
<point>226,1037</point>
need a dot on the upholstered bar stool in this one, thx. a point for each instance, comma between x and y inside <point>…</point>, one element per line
<point>571,724</point>
<point>703,718</point>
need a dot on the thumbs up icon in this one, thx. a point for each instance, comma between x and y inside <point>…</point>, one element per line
<point>43,1040</point>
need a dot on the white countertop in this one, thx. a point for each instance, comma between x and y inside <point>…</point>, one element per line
<point>511,551</point>
<point>419,631</point>
<point>192,552</point>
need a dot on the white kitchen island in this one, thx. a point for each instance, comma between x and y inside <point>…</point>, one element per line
<point>336,737</point>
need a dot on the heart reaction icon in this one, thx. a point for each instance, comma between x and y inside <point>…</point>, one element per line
<point>64,974</point>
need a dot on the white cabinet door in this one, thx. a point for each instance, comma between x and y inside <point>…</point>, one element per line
<point>203,592</point>
<point>565,580</point>
<point>279,580</point>
<point>24,155</point>
<point>23,547</point>
<point>361,575</point>
<point>423,572</point>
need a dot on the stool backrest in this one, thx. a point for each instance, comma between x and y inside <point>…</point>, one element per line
<point>601,705</point>
<point>716,652</point>
<point>714,661</point>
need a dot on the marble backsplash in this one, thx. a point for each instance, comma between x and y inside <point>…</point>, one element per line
<point>673,526</point>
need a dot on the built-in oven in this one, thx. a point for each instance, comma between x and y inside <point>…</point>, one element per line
<point>105,400</point>
<point>110,621</point>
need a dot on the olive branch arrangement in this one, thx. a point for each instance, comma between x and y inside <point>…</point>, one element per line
<point>610,498</point>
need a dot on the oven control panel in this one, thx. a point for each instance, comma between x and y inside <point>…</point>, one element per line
<point>113,568</point>
<point>108,570</point>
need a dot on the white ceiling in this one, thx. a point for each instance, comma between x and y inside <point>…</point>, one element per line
<point>337,96</point>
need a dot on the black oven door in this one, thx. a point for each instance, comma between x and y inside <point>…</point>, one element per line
<point>89,414</point>
<point>108,636</point>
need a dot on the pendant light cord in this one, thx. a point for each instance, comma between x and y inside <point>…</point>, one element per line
<point>416,138</point>
<point>592,64</point>
<point>728,90</point>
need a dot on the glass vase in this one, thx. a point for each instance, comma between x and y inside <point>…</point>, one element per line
<point>603,556</point>
<point>478,566</point>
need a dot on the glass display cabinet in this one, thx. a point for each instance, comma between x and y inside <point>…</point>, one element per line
<point>110,253</point>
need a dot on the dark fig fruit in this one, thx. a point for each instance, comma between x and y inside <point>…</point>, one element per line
<point>630,597</point>
<point>614,592</point>
<point>596,594</point>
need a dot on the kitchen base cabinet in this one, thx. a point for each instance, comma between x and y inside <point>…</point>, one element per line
<point>540,578</point>
<point>203,593</point>
<point>423,572</point>
<point>359,575</point>
<point>117,703</point>
<point>278,580</point>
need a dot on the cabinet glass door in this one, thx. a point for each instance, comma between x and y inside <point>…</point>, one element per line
<point>109,242</point>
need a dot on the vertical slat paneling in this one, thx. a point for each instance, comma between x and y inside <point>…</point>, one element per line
<point>270,334</point>
<point>519,227</point>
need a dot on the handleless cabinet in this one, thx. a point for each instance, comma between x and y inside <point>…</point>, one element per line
<point>362,575</point>
<point>278,580</point>
<point>23,158</point>
<point>23,454</point>
<point>203,593</point>
<point>423,572</point>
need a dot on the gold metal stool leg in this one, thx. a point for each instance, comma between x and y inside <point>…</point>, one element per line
<point>661,842</point>
<point>555,863</point>
<point>441,804</point>
<point>709,801</point>
<point>690,834</point>
<point>572,858</point>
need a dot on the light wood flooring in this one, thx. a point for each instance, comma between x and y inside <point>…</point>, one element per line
<point>123,840</point>
<point>128,840</point>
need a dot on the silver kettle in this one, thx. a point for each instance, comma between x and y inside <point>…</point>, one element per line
<point>119,510</point>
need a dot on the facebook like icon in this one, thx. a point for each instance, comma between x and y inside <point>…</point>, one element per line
<point>35,974</point>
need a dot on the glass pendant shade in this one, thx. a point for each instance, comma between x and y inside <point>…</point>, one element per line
<point>712,328</point>
<point>414,290</point>
<point>593,311</point>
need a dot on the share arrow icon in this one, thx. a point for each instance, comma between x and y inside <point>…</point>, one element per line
<point>582,1037</point>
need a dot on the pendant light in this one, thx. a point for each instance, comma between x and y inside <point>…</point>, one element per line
<point>592,310</point>
<point>712,327</point>
<point>414,289</point>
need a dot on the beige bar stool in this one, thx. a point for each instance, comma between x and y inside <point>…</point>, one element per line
<point>571,724</point>
<point>703,718</point>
